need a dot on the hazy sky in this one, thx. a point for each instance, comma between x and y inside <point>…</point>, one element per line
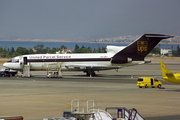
<point>87,19</point>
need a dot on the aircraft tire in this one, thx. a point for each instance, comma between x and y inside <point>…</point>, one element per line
<point>87,73</point>
<point>91,73</point>
<point>159,86</point>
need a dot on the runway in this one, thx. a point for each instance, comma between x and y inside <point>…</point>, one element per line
<point>39,97</point>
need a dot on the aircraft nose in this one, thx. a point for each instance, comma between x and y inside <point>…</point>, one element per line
<point>6,65</point>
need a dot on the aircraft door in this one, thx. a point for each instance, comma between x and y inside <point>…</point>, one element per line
<point>20,60</point>
<point>25,60</point>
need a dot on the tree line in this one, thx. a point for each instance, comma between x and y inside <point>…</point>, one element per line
<point>41,49</point>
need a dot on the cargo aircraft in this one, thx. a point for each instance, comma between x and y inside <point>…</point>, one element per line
<point>115,58</point>
<point>168,75</point>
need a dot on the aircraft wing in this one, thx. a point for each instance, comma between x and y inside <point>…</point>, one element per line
<point>82,67</point>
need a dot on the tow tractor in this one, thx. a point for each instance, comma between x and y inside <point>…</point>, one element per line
<point>11,72</point>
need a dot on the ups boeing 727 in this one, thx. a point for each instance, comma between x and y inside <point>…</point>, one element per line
<point>115,58</point>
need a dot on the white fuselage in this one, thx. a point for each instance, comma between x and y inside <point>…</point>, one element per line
<point>40,62</point>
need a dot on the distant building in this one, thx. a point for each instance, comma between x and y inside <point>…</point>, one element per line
<point>64,51</point>
<point>166,51</point>
<point>33,50</point>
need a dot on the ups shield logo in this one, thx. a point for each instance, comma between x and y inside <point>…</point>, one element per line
<point>142,47</point>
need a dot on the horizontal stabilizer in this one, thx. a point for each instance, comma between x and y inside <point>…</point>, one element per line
<point>170,73</point>
<point>165,71</point>
<point>158,36</point>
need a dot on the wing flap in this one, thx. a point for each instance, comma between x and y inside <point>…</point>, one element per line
<point>81,67</point>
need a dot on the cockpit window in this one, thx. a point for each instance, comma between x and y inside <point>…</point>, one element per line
<point>14,60</point>
<point>140,79</point>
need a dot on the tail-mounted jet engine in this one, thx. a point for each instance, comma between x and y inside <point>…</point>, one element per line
<point>121,60</point>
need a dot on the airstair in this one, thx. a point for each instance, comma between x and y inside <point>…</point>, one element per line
<point>26,70</point>
<point>25,66</point>
<point>53,70</point>
<point>94,113</point>
<point>123,113</point>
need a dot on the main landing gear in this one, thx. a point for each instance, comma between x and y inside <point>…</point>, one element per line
<point>90,73</point>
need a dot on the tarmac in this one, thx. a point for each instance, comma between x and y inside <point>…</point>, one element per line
<point>39,97</point>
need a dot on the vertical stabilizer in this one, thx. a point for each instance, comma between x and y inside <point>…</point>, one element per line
<point>138,50</point>
<point>164,69</point>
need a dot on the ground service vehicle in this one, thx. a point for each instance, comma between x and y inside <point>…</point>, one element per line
<point>11,72</point>
<point>4,74</point>
<point>148,82</point>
